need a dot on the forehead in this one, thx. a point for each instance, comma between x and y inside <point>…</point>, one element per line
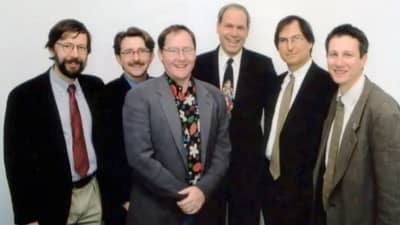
<point>132,42</point>
<point>293,28</point>
<point>343,43</point>
<point>74,37</point>
<point>234,16</point>
<point>179,38</point>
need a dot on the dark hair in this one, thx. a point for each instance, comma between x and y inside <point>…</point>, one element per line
<point>305,28</point>
<point>233,6</point>
<point>132,32</point>
<point>352,31</point>
<point>174,29</point>
<point>67,26</point>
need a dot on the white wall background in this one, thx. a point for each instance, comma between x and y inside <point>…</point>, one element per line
<point>25,25</point>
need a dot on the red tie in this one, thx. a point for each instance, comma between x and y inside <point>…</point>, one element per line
<point>78,141</point>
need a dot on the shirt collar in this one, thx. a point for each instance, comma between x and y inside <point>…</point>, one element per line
<point>301,72</point>
<point>351,97</point>
<point>132,82</point>
<point>60,83</point>
<point>223,57</point>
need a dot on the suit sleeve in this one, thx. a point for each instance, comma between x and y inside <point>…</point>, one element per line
<point>19,159</point>
<point>140,151</point>
<point>385,139</point>
<point>221,154</point>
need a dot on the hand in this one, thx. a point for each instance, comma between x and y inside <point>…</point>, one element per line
<point>33,223</point>
<point>194,200</point>
<point>126,205</point>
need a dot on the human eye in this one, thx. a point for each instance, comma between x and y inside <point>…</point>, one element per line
<point>142,50</point>
<point>188,50</point>
<point>332,54</point>
<point>282,40</point>
<point>68,46</point>
<point>348,54</point>
<point>126,51</point>
<point>82,48</point>
<point>172,50</point>
<point>297,38</point>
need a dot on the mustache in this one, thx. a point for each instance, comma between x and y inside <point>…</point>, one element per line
<point>136,63</point>
<point>73,60</point>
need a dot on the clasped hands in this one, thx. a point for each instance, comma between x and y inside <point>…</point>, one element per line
<point>193,201</point>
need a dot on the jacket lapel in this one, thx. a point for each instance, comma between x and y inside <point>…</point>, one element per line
<point>324,140</point>
<point>170,111</point>
<point>349,139</point>
<point>205,109</point>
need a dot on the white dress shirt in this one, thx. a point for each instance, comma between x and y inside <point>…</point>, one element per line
<point>59,88</point>
<point>222,63</point>
<point>349,99</point>
<point>299,77</point>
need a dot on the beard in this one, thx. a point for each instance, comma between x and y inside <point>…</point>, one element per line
<point>61,64</point>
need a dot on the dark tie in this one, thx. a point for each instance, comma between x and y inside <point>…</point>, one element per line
<point>78,141</point>
<point>228,75</point>
<point>333,152</point>
<point>227,85</point>
<point>274,166</point>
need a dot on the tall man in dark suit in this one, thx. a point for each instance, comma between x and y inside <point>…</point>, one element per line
<point>245,77</point>
<point>176,139</point>
<point>52,136</point>
<point>133,50</point>
<point>359,162</point>
<point>293,125</point>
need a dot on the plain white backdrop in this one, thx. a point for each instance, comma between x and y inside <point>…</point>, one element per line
<point>25,25</point>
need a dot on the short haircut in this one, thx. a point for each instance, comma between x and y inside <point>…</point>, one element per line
<point>352,31</point>
<point>174,29</point>
<point>58,31</point>
<point>132,32</point>
<point>305,28</point>
<point>233,6</point>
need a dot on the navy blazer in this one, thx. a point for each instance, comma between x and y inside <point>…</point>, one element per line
<point>299,141</point>
<point>35,153</point>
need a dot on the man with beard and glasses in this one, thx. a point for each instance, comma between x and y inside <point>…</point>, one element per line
<point>52,136</point>
<point>133,50</point>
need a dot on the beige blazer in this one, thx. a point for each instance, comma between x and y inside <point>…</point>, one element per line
<point>367,177</point>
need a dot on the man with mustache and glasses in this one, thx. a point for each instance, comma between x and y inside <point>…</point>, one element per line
<point>133,50</point>
<point>52,136</point>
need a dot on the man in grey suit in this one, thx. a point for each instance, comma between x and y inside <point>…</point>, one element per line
<point>357,172</point>
<point>176,138</point>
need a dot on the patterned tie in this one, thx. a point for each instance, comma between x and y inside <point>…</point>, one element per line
<point>227,86</point>
<point>333,151</point>
<point>274,166</point>
<point>78,141</point>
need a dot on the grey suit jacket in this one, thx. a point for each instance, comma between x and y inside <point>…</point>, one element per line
<point>154,147</point>
<point>367,175</point>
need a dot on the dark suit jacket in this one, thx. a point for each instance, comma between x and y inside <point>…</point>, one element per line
<point>154,145</point>
<point>299,141</point>
<point>256,77</point>
<point>366,184</point>
<point>35,153</point>
<point>117,171</point>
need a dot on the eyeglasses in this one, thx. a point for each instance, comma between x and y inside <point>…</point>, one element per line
<point>176,51</point>
<point>69,47</point>
<point>139,52</point>
<point>293,39</point>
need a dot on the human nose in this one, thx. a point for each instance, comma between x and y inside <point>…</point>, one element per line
<point>135,56</point>
<point>74,51</point>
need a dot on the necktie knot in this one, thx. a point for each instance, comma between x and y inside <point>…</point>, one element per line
<point>71,89</point>
<point>229,62</point>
